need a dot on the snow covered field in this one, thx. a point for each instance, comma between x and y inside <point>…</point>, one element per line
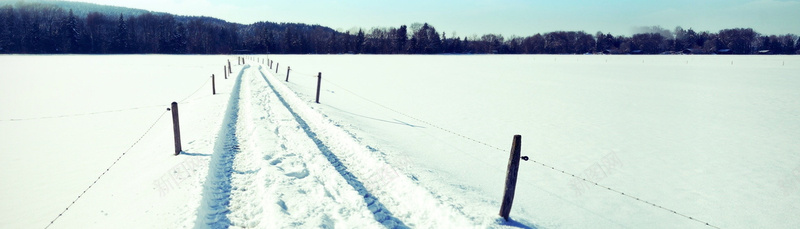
<point>416,141</point>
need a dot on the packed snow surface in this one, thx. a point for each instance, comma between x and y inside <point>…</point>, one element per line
<point>400,141</point>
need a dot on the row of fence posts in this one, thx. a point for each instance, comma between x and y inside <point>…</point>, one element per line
<point>176,129</point>
<point>513,161</point>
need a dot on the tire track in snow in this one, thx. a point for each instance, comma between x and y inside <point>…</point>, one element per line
<point>379,212</point>
<point>213,211</point>
<point>397,203</point>
<point>265,174</point>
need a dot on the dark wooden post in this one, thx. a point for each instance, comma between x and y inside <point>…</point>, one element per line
<point>213,85</point>
<point>287,73</point>
<point>225,71</point>
<point>270,64</point>
<point>319,83</point>
<point>176,128</point>
<point>229,67</point>
<point>511,177</point>
<point>276,67</point>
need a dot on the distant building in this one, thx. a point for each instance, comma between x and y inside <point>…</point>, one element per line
<point>725,51</point>
<point>764,52</point>
<point>693,51</point>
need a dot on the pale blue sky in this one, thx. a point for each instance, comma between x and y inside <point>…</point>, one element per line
<point>507,17</point>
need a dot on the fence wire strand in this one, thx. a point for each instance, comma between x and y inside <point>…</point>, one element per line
<point>107,169</point>
<point>534,161</point>
<point>412,117</point>
<point>621,193</point>
<point>77,115</point>
<point>101,112</point>
<point>195,91</point>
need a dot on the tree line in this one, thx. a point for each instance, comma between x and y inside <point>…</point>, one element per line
<point>48,29</point>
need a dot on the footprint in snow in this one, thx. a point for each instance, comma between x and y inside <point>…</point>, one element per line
<point>283,206</point>
<point>299,174</point>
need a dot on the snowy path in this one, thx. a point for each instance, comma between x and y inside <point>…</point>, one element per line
<point>278,163</point>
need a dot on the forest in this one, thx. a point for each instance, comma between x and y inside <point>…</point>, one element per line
<point>41,28</point>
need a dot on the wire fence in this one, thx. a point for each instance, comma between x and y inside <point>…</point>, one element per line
<point>184,100</point>
<point>78,114</point>
<point>107,169</point>
<point>553,168</point>
<point>195,91</point>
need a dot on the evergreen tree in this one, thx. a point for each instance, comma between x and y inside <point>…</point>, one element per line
<point>797,46</point>
<point>33,40</point>
<point>434,41</point>
<point>70,34</point>
<point>178,43</point>
<point>402,38</point>
<point>691,40</point>
<point>121,42</point>
<point>360,39</point>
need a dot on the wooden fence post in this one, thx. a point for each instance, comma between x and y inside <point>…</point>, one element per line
<point>229,67</point>
<point>287,73</point>
<point>176,129</point>
<point>213,85</point>
<point>511,177</point>
<point>276,67</point>
<point>319,83</point>
<point>225,71</point>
